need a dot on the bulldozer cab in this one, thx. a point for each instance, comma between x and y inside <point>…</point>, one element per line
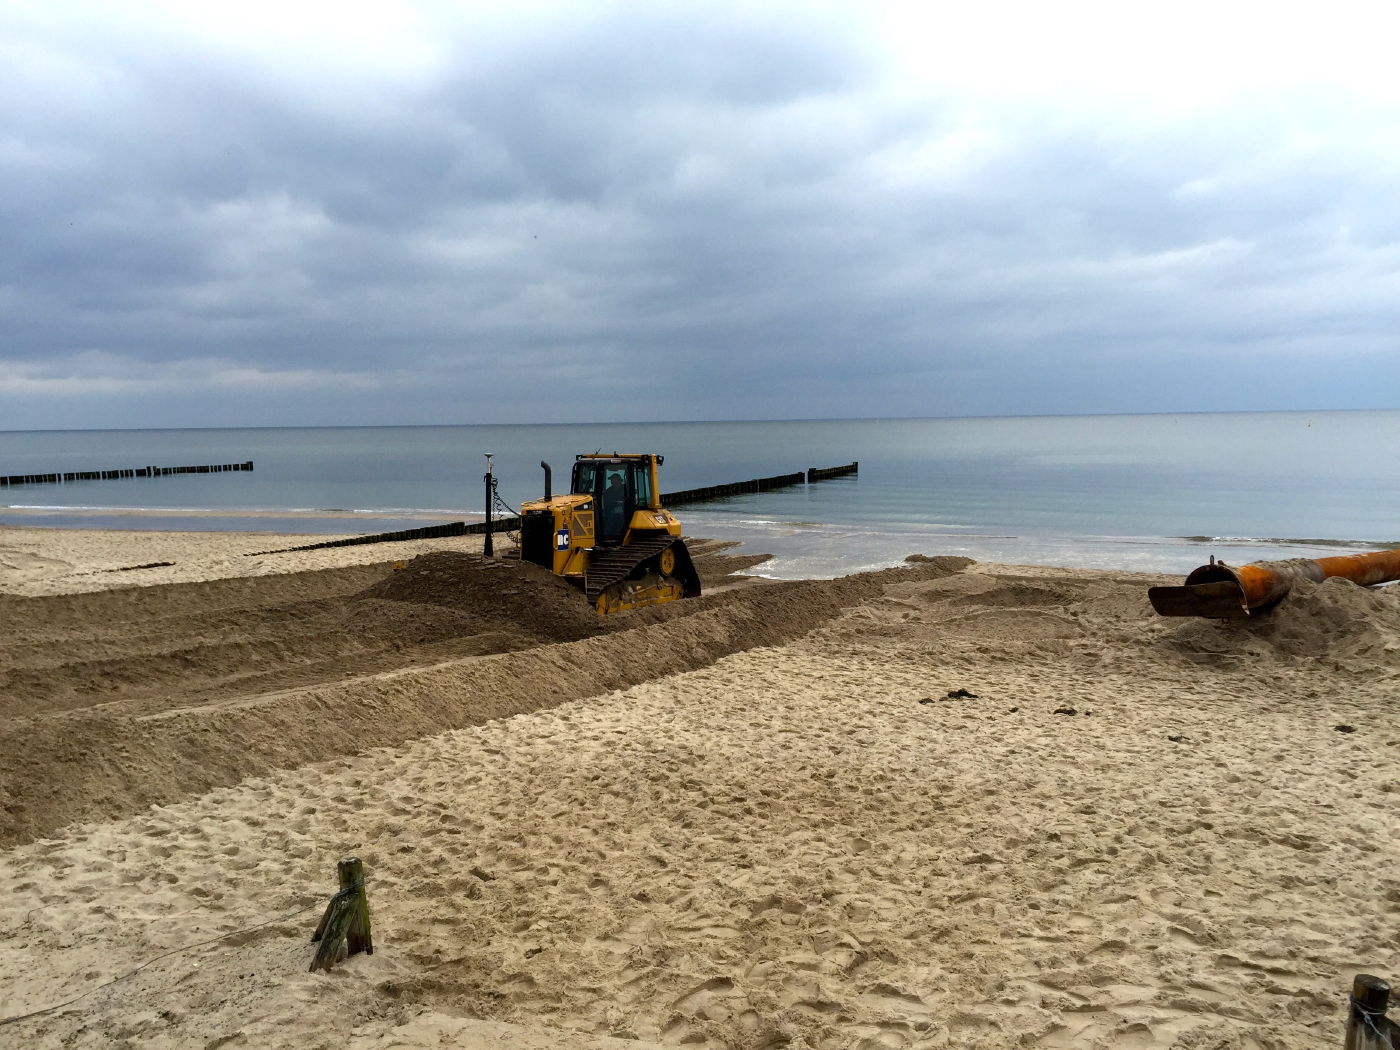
<point>618,485</point>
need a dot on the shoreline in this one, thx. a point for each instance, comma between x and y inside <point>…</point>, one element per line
<point>806,550</point>
<point>418,514</point>
<point>39,560</point>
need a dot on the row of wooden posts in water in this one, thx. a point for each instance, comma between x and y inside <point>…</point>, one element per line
<point>739,488</point>
<point>669,499</point>
<point>61,477</point>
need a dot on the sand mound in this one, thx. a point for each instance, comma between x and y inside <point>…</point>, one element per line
<point>1355,628</point>
<point>982,609</point>
<point>505,595</point>
<point>524,599</point>
<point>1015,594</point>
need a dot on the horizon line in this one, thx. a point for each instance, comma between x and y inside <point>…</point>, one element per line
<point>676,422</point>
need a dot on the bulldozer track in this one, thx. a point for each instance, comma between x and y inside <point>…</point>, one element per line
<point>614,565</point>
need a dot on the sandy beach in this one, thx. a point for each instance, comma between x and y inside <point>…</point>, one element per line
<point>946,805</point>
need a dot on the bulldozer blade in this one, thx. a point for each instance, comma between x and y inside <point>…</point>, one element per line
<point>1216,601</point>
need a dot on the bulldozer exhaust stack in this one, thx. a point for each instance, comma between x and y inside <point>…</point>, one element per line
<point>1220,591</point>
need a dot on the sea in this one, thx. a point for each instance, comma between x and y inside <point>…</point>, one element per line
<point>1128,492</point>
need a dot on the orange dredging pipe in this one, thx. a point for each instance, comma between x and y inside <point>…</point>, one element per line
<point>1221,591</point>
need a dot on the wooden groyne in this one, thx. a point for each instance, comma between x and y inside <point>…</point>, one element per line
<point>709,493</point>
<point>823,473</point>
<point>63,477</point>
<point>669,499</point>
<point>737,488</point>
<point>427,532</point>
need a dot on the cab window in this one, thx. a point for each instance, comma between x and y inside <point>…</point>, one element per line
<point>613,502</point>
<point>585,479</point>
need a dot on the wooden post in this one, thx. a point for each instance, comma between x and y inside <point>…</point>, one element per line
<point>486,545</point>
<point>1367,1026</point>
<point>344,927</point>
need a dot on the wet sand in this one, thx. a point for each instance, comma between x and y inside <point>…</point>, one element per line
<point>756,820</point>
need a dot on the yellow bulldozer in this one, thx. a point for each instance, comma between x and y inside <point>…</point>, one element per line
<point>609,534</point>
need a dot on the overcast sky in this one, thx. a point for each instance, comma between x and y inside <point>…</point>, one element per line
<point>341,213</point>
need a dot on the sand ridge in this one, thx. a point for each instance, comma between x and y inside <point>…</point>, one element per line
<point>805,842</point>
<point>143,695</point>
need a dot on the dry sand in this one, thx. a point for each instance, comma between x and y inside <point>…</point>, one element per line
<point>38,561</point>
<point>753,821</point>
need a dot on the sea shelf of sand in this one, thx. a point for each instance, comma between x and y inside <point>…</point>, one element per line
<point>758,820</point>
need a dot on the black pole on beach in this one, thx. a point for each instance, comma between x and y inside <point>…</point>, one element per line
<point>486,547</point>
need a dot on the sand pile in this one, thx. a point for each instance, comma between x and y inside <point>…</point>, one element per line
<point>497,595</point>
<point>1355,630</point>
<point>977,614</point>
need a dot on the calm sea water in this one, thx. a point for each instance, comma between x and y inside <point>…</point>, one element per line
<point>1095,491</point>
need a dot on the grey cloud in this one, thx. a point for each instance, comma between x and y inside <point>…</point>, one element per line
<point>696,210</point>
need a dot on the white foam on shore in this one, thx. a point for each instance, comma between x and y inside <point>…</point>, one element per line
<point>824,551</point>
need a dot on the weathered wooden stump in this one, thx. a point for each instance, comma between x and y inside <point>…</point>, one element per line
<point>344,927</point>
<point>1368,1028</point>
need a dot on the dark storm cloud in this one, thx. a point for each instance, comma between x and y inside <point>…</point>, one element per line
<point>657,213</point>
